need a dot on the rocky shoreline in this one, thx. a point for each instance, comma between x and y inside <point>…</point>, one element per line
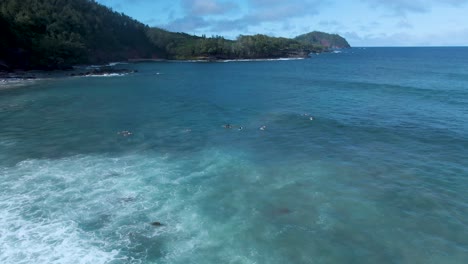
<point>103,71</point>
<point>8,76</point>
<point>11,75</point>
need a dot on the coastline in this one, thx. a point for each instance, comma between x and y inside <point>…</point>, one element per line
<point>7,73</point>
<point>209,59</point>
<point>14,78</point>
<point>77,71</point>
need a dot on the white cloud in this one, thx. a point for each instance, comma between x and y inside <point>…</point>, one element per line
<point>208,7</point>
<point>442,38</point>
<point>403,7</point>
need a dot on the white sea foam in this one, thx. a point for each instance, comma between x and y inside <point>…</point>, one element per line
<point>98,209</point>
<point>47,241</point>
<point>250,60</point>
<point>243,60</point>
<point>117,63</point>
<point>47,202</point>
<point>7,143</point>
<point>106,75</point>
<point>16,83</point>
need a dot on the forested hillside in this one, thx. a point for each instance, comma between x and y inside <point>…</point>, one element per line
<point>57,34</point>
<point>184,46</point>
<point>60,33</point>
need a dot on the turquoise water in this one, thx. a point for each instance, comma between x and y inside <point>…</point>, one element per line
<point>378,176</point>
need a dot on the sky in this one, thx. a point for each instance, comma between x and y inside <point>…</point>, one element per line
<point>362,22</point>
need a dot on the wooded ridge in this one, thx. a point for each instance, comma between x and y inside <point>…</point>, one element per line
<point>57,34</point>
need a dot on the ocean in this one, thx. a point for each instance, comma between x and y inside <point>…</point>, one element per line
<point>359,156</point>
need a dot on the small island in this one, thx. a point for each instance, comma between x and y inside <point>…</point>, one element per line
<point>40,35</point>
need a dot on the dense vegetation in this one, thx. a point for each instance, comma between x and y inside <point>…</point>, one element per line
<point>183,46</point>
<point>60,33</point>
<point>56,34</point>
<point>329,41</point>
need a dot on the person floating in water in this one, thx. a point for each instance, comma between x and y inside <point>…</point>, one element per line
<point>125,133</point>
<point>157,224</point>
<point>241,127</point>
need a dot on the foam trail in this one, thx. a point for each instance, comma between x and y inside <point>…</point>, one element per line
<point>47,241</point>
<point>97,209</point>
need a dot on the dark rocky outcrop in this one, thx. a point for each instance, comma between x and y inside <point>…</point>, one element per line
<point>103,71</point>
<point>156,224</point>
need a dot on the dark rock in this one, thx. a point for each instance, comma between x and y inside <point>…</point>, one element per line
<point>127,199</point>
<point>105,71</point>
<point>282,211</point>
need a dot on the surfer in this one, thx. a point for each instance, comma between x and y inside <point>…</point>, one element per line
<point>125,133</point>
<point>228,126</point>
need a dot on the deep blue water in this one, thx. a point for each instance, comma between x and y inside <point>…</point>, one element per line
<point>380,175</point>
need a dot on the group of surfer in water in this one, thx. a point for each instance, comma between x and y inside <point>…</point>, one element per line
<point>311,118</point>
<point>229,126</point>
<point>127,133</point>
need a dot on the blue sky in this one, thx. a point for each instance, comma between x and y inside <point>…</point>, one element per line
<point>361,22</point>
